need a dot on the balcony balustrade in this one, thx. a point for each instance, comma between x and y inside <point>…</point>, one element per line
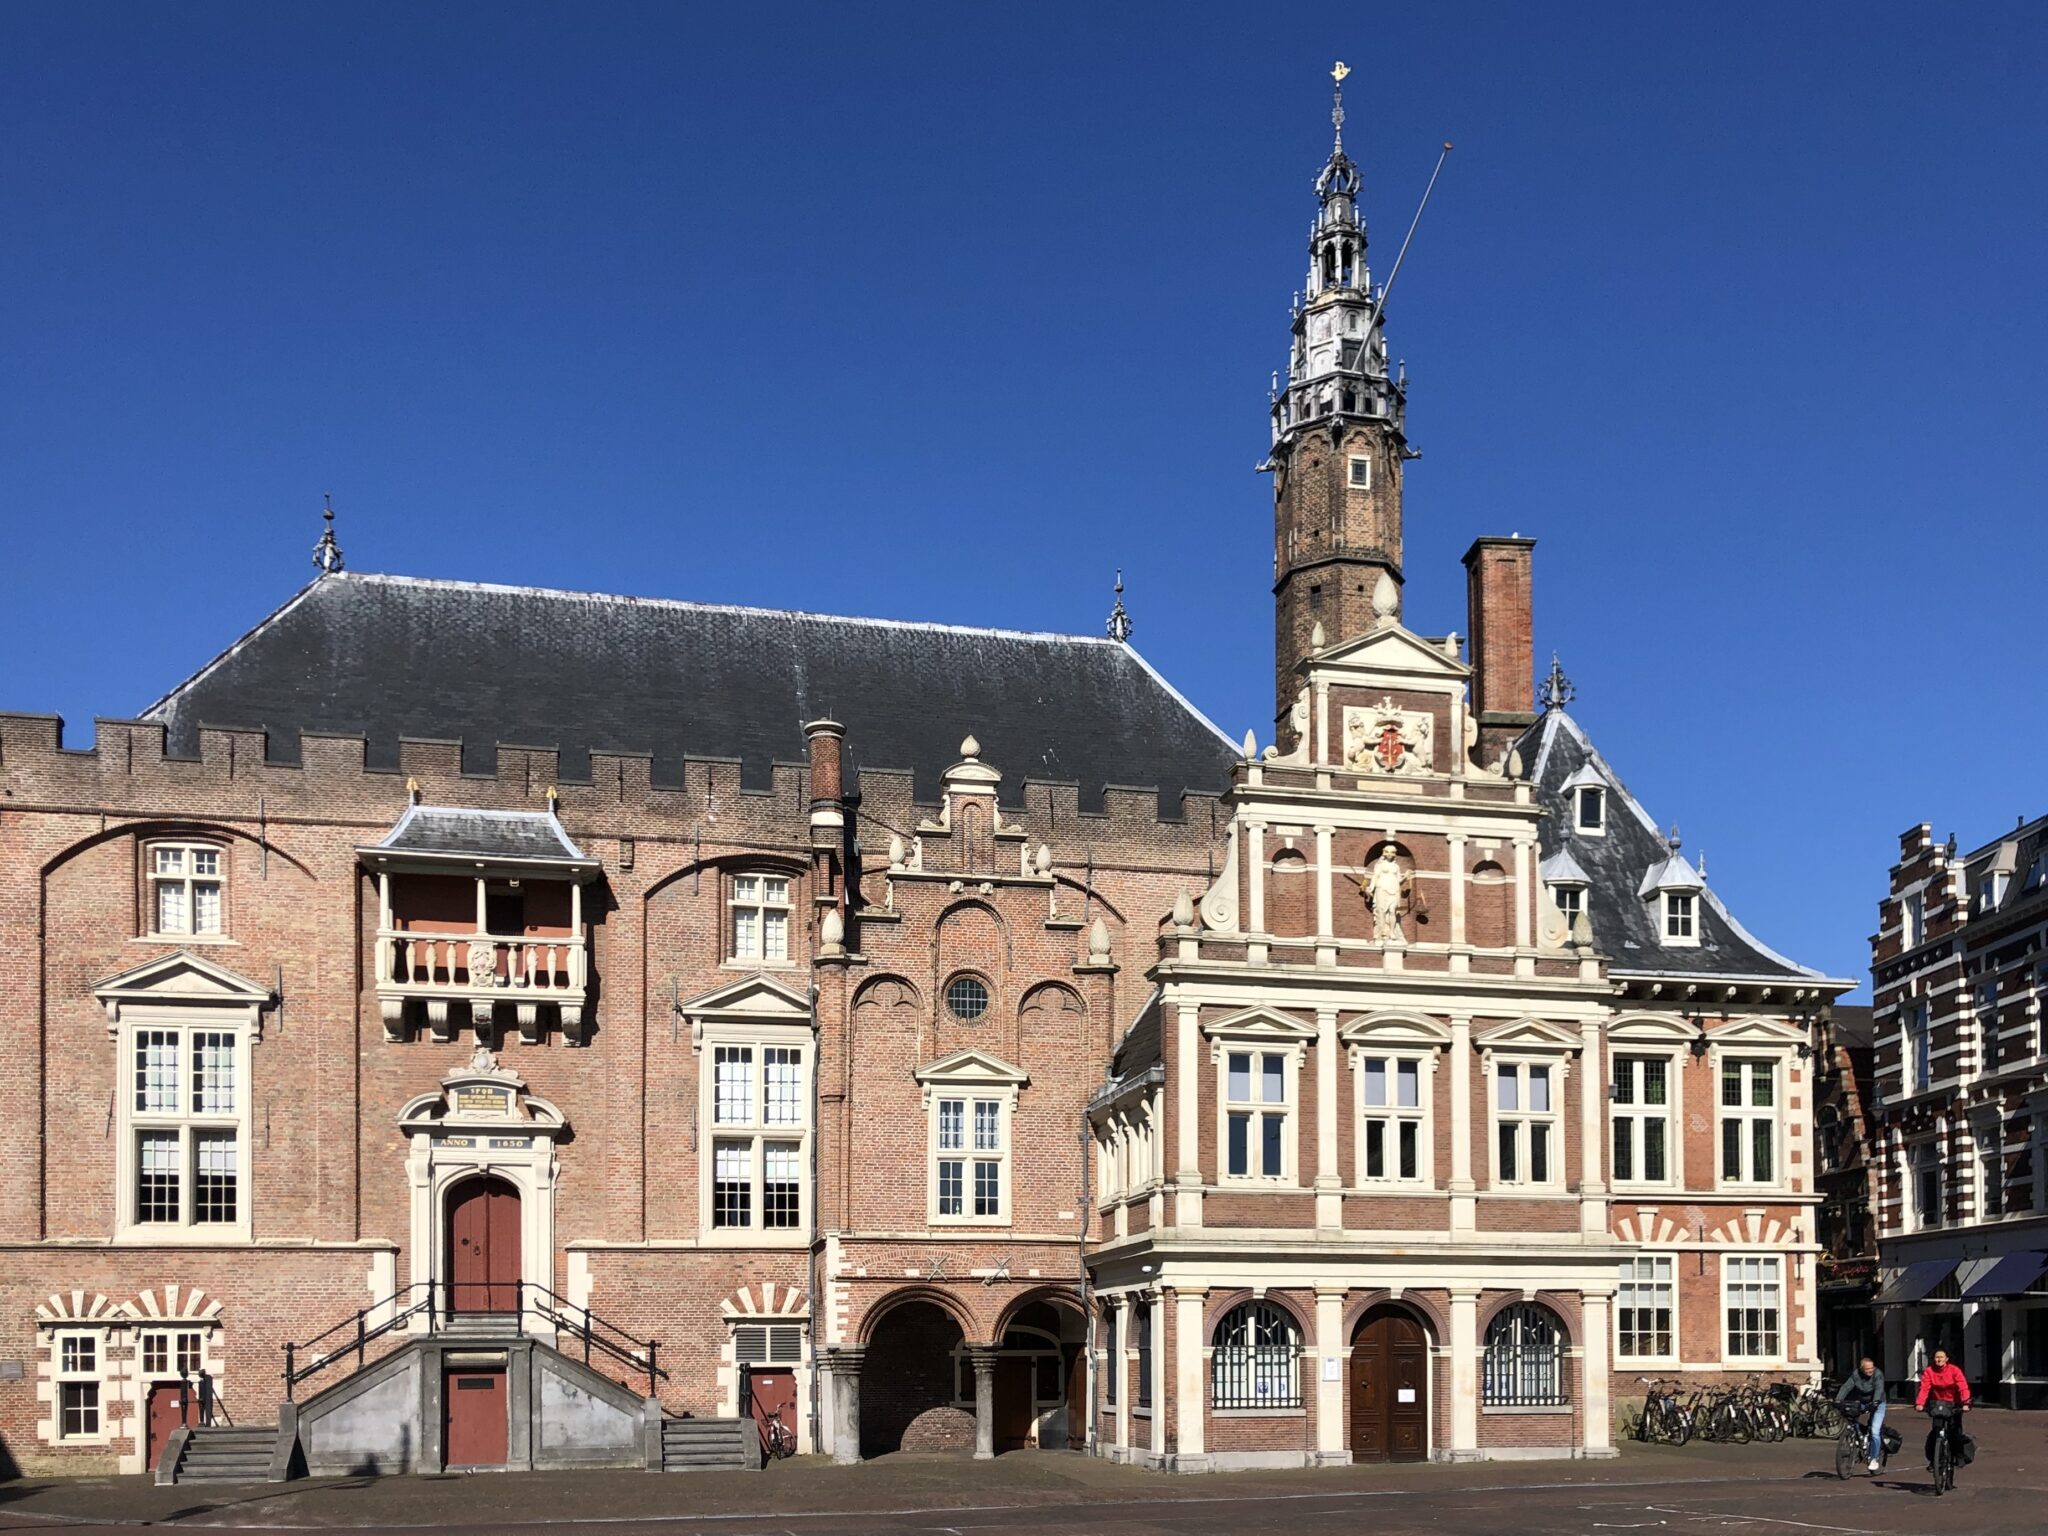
<point>448,972</point>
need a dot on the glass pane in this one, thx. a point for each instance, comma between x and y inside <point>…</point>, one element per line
<point>746,934</point>
<point>1271,1166</point>
<point>1760,1142</point>
<point>1410,1153</point>
<point>733,1066</point>
<point>1539,1152</point>
<point>1240,1145</point>
<point>170,861</point>
<point>1273,1080</point>
<point>774,935</point>
<point>1653,1150</point>
<point>206,861</point>
<point>775,890</point>
<point>1508,1093</point>
<point>988,1189</point>
<point>1731,1148</point>
<point>1240,1084</point>
<point>785,1081</point>
<point>214,1182</point>
<point>1731,1084</point>
<point>1625,1071</point>
<point>1762,1082</point>
<point>1408,1084</point>
<point>1654,1089</point>
<point>746,888</point>
<point>170,907</point>
<point>1375,1149</point>
<point>1539,1089</point>
<point>156,1071</point>
<point>949,1188</point>
<point>213,1073</point>
<point>987,1125</point>
<point>1508,1170</point>
<point>1376,1080</point>
<point>952,1124</point>
<point>1624,1147</point>
<point>206,907</point>
<point>158,1194</point>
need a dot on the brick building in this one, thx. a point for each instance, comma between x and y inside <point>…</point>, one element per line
<point>1960,1114</point>
<point>1846,1173</point>
<point>504,1020</point>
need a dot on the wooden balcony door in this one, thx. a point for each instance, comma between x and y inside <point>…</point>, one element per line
<point>483,1246</point>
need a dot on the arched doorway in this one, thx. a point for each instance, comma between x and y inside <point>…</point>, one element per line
<point>484,1258</point>
<point>910,1383</point>
<point>1389,1379</point>
<point>1039,1381</point>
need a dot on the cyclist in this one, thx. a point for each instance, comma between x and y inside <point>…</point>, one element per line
<point>1863,1393</point>
<point>1944,1383</point>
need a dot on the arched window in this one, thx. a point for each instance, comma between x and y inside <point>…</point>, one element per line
<point>1256,1363</point>
<point>1524,1366</point>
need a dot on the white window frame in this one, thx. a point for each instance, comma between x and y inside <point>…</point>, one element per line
<point>1621,1053</point>
<point>1353,463</point>
<point>1913,920</point>
<point>190,880</point>
<point>1924,1153</point>
<point>754,1128</point>
<point>1916,1046</point>
<point>1393,1115</point>
<point>1749,1113</point>
<point>747,891</point>
<point>1640,1275</point>
<point>131,1123</point>
<point>1596,795</point>
<point>1258,1108</point>
<point>1770,1279</point>
<point>1678,919</point>
<point>99,1378</point>
<point>968,1079</point>
<point>1523,1117</point>
<point>1569,897</point>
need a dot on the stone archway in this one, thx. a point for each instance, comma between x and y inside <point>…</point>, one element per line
<point>912,1393</point>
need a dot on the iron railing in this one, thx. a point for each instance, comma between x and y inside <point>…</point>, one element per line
<point>1256,1376</point>
<point>439,1302</point>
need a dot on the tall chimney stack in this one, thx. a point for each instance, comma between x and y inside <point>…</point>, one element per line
<point>1499,600</point>
<point>827,740</point>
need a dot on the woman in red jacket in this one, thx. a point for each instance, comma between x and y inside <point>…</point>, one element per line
<point>1942,1382</point>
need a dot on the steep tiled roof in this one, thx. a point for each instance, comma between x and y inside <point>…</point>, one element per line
<point>386,657</point>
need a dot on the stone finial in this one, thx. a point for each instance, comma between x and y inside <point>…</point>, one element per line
<point>1251,747</point>
<point>1451,645</point>
<point>970,749</point>
<point>1512,767</point>
<point>1582,930</point>
<point>1183,911</point>
<point>1316,638</point>
<point>1042,861</point>
<point>832,932</point>
<point>1098,943</point>
<point>895,851</point>
<point>327,554</point>
<point>1386,599</point>
<point>1672,840</point>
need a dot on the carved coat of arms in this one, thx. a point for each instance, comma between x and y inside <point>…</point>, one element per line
<point>1382,739</point>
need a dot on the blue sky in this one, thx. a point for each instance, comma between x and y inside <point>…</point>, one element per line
<point>947,312</point>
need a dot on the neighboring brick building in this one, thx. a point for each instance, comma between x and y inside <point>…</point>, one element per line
<point>501,978</point>
<point>1960,1113</point>
<point>1846,1173</point>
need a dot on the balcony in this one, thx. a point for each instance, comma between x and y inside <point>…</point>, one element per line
<point>459,979</point>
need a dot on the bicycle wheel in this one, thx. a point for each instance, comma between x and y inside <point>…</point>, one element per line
<point>1846,1450</point>
<point>1828,1419</point>
<point>1944,1467</point>
<point>1681,1427</point>
<point>1731,1424</point>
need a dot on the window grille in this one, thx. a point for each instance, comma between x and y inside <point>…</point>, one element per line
<point>1257,1359</point>
<point>768,1343</point>
<point>1524,1362</point>
<point>967,998</point>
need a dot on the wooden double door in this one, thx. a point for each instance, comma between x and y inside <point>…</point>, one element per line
<point>483,1246</point>
<point>1389,1379</point>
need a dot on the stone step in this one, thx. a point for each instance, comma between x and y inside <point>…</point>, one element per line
<point>227,1454</point>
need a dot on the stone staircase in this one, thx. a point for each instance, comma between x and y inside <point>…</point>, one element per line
<point>710,1445</point>
<point>219,1454</point>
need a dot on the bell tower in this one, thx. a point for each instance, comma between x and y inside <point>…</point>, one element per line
<point>1339,443</point>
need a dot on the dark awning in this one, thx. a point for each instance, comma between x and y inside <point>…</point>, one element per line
<point>1914,1282</point>
<point>2011,1275</point>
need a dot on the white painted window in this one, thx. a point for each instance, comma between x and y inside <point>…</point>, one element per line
<point>186,886</point>
<point>1591,810</point>
<point>1394,1127</point>
<point>1749,1120</point>
<point>760,918</point>
<point>178,1355</point>
<point>1256,1112</point>
<point>1571,901</point>
<point>1681,917</point>
<point>1752,1299</point>
<point>971,1156</point>
<point>758,1093</point>
<point>184,1122</point>
<point>1528,1134</point>
<point>1643,1143</point>
<point>1916,1048</point>
<point>1923,1174</point>
<point>1644,1308</point>
<point>80,1360</point>
<point>1361,468</point>
<point>1913,920</point>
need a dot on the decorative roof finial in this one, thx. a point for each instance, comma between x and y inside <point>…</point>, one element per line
<point>1674,842</point>
<point>1119,618</point>
<point>327,553</point>
<point>1557,690</point>
<point>1337,100</point>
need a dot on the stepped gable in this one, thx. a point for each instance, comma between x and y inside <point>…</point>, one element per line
<point>1628,861</point>
<point>386,657</point>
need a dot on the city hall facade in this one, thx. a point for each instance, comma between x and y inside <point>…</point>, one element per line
<point>485,1026</point>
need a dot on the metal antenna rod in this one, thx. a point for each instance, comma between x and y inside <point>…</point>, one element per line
<point>1388,287</point>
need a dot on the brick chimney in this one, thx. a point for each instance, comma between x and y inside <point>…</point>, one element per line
<point>827,739</point>
<point>1499,599</point>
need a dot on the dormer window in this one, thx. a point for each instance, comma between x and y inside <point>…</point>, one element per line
<point>1591,810</point>
<point>1571,901</point>
<point>1680,924</point>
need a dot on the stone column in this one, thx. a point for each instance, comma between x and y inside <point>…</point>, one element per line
<point>1464,1216</point>
<point>1188,1413</point>
<point>841,1364</point>
<point>1592,1132</point>
<point>1464,1375</point>
<point>1326,949</point>
<point>1593,1355</point>
<point>1114,1368</point>
<point>1330,1447</point>
<point>1329,1177</point>
<point>1457,873</point>
<point>984,1362</point>
<point>1187,1113</point>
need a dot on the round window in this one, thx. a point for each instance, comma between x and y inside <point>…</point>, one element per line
<point>967,998</point>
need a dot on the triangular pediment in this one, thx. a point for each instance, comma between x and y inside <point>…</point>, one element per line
<point>972,1066</point>
<point>1756,1031</point>
<point>755,996</point>
<point>1527,1035</point>
<point>1260,1024</point>
<point>182,979</point>
<point>1391,649</point>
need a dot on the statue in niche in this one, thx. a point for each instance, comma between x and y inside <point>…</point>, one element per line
<point>1385,887</point>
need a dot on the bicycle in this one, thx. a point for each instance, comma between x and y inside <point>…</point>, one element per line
<point>1947,1417</point>
<point>777,1438</point>
<point>1853,1447</point>
<point>1664,1417</point>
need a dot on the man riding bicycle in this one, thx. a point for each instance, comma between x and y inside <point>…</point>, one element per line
<point>1861,1394</point>
<point>1943,1383</point>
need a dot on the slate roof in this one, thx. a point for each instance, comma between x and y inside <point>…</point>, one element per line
<point>1139,1052</point>
<point>2019,857</point>
<point>1622,863</point>
<point>1853,1027</point>
<point>444,831</point>
<point>390,656</point>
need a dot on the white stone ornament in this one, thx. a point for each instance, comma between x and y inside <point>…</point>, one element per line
<point>1043,862</point>
<point>832,931</point>
<point>1315,637</point>
<point>1098,943</point>
<point>895,851</point>
<point>1183,911</point>
<point>970,749</point>
<point>1386,599</point>
<point>1251,747</point>
<point>1384,886</point>
<point>1381,739</point>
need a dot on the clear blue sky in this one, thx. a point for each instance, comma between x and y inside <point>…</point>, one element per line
<point>947,311</point>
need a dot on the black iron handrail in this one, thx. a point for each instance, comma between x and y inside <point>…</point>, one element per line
<point>353,1335</point>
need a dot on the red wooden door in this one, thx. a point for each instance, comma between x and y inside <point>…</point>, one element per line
<point>483,1247</point>
<point>170,1405</point>
<point>1014,1377</point>
<point>473,1419</point>
<point>773,1396</point>
<point>1077,1399</point>
<point>1389,1380</point>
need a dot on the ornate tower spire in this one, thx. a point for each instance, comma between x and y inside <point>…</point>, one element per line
<point>1338,436</point>
<point>327,553</point>
<point>1119,618</point>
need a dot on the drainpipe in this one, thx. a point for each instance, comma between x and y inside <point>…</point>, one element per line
<point>1087,1313</point>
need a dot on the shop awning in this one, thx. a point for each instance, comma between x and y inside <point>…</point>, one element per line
<point>1914,1282</point>
<point>2012,1274</point>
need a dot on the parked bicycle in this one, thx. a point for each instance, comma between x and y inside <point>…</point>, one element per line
<point>1665,1419</point>
<point>777,1438</point>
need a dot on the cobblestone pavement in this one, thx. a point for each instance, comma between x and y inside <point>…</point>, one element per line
<point>1787,1489</point>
